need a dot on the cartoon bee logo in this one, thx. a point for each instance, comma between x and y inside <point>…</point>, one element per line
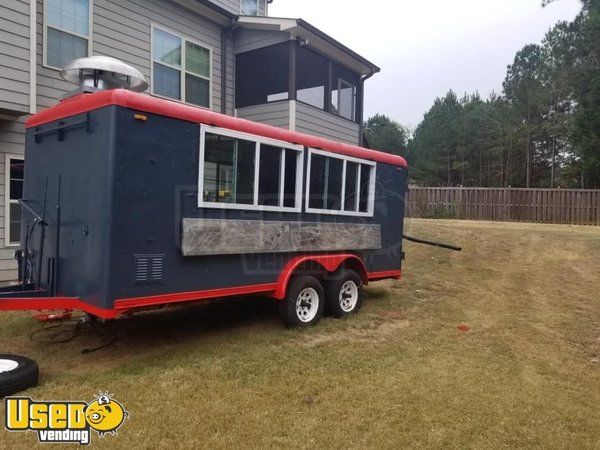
<point>105,414</point>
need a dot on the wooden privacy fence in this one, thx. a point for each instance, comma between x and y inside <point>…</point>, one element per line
<point>572,206</point>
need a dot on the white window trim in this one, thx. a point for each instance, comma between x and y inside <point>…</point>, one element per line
<point>181,69</point>
<point>341,212</point>
<point>257,8</point>
<point>45,26</point>
<point>7,200</point>
<point>259,140</point>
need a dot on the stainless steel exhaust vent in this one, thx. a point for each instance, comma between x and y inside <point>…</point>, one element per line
<point>99,73</point>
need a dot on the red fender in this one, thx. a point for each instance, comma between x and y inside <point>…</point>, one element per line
<point>329,262</point>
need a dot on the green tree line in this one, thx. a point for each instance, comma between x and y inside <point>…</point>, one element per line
<point>542,131</point>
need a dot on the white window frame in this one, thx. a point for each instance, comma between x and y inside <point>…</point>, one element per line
<point>46,25</point>
<point>341,212</point>
<point>257,8</point>
<point>181,69</point>
<point>258,140</point>
<point>7,200</point>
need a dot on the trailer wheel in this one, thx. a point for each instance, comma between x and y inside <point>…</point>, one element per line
<point>344,293</point>
<point>303,304</point>
<point>17,373</point>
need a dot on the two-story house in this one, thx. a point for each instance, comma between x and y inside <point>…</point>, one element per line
<point>226,55</point>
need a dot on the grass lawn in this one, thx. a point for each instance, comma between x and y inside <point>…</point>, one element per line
<point>400,373</point>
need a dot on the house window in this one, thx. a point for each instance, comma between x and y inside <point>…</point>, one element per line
<point>243,171</point>
<point>340,185</point>
<point>181,68</point>
<point>13,193</point>
<point>343,99</point>
<point>66,31</point>
<point>343,92</point>
<point>249,7</point>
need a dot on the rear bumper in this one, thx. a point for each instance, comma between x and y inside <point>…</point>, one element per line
<point>29,298</point>
<point>54,303</point>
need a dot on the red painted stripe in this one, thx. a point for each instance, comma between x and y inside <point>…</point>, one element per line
<point>126,304</point>
<point>49,303</point>
<point>146,103</point>
<point>374,276</point>
<point>154,300</point>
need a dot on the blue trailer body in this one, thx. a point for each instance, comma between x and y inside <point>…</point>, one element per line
<point>113,181</point>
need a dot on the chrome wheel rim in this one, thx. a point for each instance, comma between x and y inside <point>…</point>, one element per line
<point>6,365</point>
<point>348,296</point>
<point>307,304</point>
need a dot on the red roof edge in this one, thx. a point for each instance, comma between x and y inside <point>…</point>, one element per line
<point>146,103</point>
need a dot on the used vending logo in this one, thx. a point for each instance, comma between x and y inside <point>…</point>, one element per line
<point>65,422</point>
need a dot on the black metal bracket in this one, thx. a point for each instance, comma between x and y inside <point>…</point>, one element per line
<point>63,127</point>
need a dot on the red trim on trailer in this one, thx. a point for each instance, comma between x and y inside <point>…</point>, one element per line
<point>328,262</point>
<point>125,304</point>
<point>396,274</point>
<point>275,290</point>
<point>49,303</point>
<point>143,102</point>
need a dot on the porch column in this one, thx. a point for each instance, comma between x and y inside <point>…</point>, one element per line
<point>329,86</point>
<point>292,70</point>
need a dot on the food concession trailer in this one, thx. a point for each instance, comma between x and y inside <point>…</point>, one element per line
<point>133,202</point>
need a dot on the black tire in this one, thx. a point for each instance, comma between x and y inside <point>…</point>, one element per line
<point>334,304</point>
<point>288,308</point>
<point>19,378</point>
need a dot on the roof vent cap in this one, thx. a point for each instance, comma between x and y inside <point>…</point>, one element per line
<point>100,73</point>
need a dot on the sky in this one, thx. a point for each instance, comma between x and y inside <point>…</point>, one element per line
<point>426,47</point>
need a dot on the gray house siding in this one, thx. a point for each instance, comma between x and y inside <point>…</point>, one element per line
<point>320,123</point>
<point>230,5</point>
<point>234,6</point>
<point>230,71</point>
<point>248,40</point>
<point>15,100</point>
<point>123,30</point>
<point>119,29</point>
<point>12,142</point>
<point>297,116</point>
<point>14,56</point>
<point>276,114</point>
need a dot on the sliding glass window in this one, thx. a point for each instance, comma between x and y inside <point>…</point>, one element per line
<point>242,171</point>
<point>340,185</point>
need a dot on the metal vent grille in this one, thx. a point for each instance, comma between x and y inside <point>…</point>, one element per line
<point>149,268</point>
